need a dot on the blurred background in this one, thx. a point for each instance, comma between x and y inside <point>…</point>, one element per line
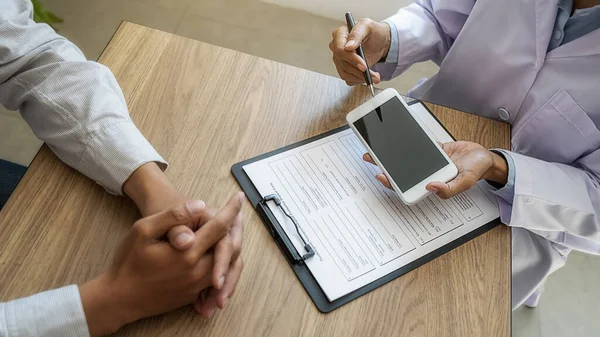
<point>294,32</point>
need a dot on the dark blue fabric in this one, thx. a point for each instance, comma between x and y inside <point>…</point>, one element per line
<point>10,174</point>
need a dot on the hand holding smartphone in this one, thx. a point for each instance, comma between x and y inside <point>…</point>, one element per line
<point>401,146</point>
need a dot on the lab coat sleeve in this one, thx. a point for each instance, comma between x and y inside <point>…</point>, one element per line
<point>425,31</point>
<point>73,105</point>
<point>558,202</point>
<point>506,194</point>
<point>55,313</point>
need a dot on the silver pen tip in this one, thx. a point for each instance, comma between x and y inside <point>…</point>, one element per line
<point>372,90</point>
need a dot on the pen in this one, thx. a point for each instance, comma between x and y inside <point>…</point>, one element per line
<point>361,53</point>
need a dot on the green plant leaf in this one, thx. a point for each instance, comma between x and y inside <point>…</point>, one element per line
<point>41,15</point>
<point>54,18</point>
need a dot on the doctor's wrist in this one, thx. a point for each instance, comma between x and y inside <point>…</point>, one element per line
<point>498,172</point>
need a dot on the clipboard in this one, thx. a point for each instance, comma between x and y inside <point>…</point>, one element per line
<point>296,260</point>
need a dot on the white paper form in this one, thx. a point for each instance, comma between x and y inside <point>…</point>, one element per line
<point>360,230</point>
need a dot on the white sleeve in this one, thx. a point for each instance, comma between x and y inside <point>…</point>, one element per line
<point>74,105</point>
<point>55,313</point>
<point>558,202</point>
<point>422,31</point>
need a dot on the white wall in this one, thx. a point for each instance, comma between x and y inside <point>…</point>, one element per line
<point>335,9</point>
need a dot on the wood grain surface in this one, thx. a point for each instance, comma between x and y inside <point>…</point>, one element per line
<point>205,108</point>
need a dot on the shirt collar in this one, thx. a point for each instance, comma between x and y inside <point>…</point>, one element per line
<point>566,5</point>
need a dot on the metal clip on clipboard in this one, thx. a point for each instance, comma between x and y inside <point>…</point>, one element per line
<point>279,234</point>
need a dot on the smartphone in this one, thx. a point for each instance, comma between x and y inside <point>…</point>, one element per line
<point>401,146</point>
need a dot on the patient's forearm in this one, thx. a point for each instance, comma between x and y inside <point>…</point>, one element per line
<point>151,190</point>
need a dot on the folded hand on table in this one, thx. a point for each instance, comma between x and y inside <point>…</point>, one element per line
<point>152,192</point>
<point>150,276</point>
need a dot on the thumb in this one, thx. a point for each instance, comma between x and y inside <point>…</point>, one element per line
<point>218,227</point>
<point>181,237</point>
<point>156,226</point>
<point>357,35</point>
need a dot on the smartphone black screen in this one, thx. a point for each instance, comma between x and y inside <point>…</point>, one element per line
<point>403,148</point>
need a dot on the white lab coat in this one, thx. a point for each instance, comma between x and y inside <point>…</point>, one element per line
<point>494,62</point>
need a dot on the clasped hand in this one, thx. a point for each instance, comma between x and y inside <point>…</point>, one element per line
<point>155,271</point>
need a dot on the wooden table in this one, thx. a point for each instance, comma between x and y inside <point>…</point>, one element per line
<point>205,108</point>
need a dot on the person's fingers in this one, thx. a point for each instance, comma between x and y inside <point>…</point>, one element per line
<point>230,283</point>
<point>361,30</point>
<point>351,79</point>
<point>359,74</point>
<point>199,302</point>
<point>237,233</point>
<point>227,250</point>
<point>384,180</point>
<point>338,47</point>
<point>463,182</point>
<point>218,227</point>
<point>207,303</point>
<point>367,157</point>
<point>214,298</point>
<point>354,71</point>
<point>201,272</point>
<point>205,283</point>
<point>208,215</point>
<point>156,226</point>
<point>352,74</point>
<point>340,38</point>
<point>376,77</point>
<point>223,253</point>
<point>181,237</point>
<point>380,177</point>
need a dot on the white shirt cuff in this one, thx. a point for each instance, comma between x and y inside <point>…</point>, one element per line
<point>55,313</point>
<point>115,152</point>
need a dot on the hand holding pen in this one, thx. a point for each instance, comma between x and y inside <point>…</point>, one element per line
<point>367,72</point>
<point>375,38</point>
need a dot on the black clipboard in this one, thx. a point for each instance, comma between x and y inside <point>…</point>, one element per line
<point>294,258</point>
